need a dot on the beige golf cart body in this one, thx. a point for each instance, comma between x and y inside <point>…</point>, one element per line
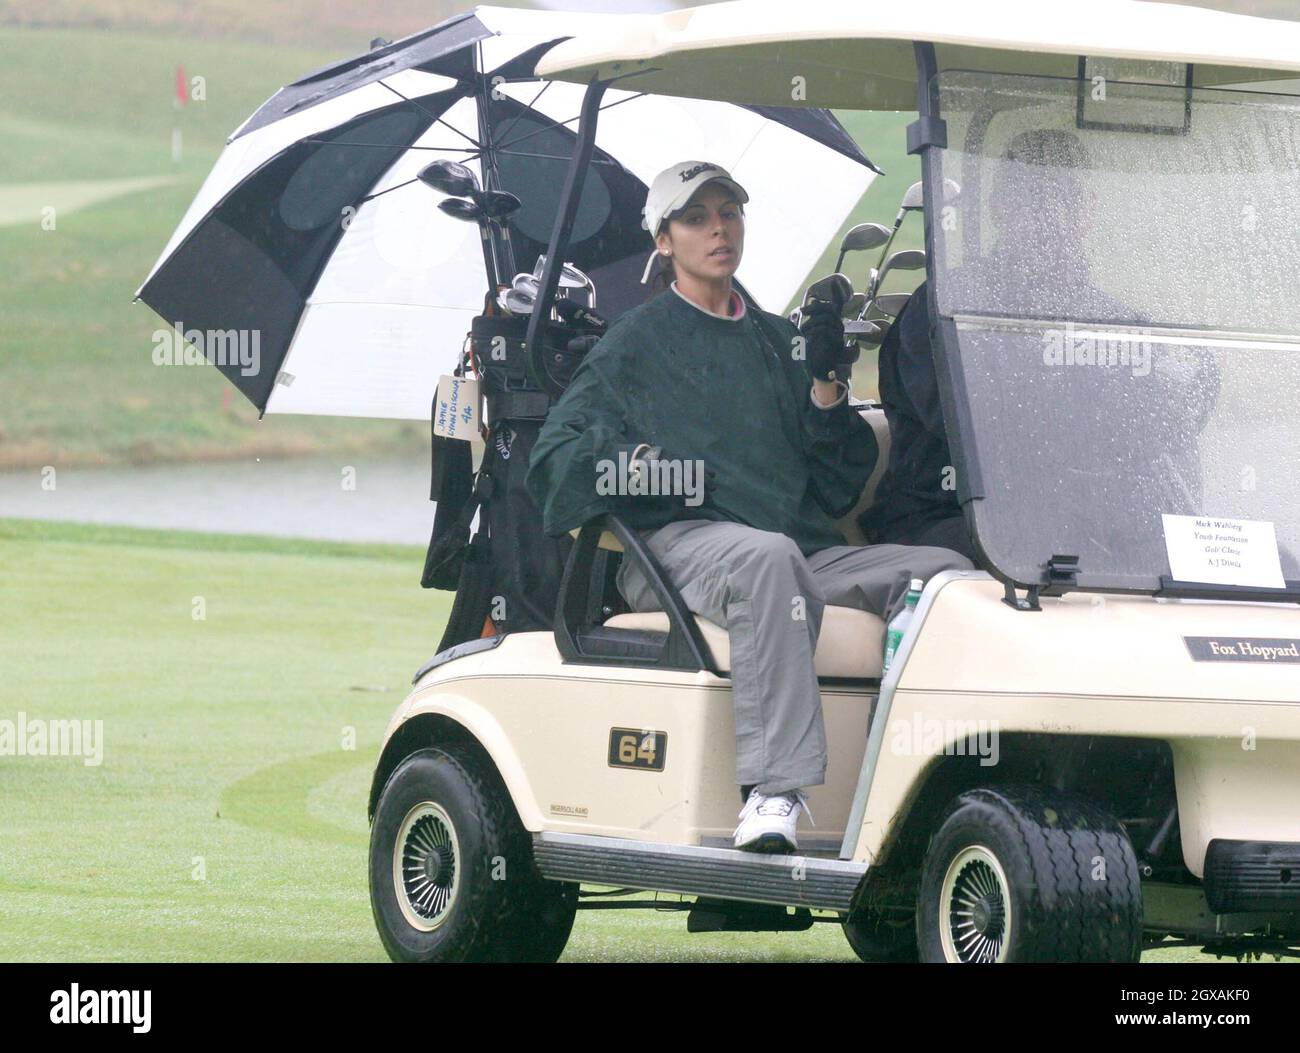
<point>624,774</point>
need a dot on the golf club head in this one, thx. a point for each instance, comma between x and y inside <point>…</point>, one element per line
<point>570,276</point>
<point>864,236</point>
<point>459,208</point>
<point>906,260</point>
<point>833,289</point>
<point>891,303</point>
<point>913,199</point>
<point>517,301</point>
<point>853,305</point>
<point>449,177</point>
<point>869,334</point>
<point>526,285</point>
<point>497,204</point>
<point>903,260</point>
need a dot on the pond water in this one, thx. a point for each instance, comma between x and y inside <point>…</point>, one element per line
<point>337,498</point>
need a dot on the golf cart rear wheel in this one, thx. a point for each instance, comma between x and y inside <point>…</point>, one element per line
<point>879,937</point>
<point>452,877</point>
<point>1020,874</point>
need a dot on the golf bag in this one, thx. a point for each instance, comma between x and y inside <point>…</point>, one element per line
<point>507,576</point>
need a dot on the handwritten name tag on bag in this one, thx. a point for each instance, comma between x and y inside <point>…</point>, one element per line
<point>456,408</point>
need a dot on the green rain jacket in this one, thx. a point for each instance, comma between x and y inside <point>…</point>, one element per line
<point>730,392</point>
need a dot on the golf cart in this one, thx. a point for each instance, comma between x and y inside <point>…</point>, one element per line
<point>1088,746</point>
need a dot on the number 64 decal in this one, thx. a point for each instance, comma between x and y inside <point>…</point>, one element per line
<point>637,748</point>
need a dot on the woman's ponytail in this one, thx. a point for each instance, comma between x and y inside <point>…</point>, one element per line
<point>662,274</point>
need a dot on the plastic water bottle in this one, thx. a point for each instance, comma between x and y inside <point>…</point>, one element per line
<point>898,626</point>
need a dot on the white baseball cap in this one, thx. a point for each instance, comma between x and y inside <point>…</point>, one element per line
<point>673,188</point>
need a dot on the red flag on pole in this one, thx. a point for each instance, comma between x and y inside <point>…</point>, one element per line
<point>182,88</point>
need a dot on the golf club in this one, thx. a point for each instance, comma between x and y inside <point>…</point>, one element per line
<point>459,208</point>
<point>497,205</point>
<point>570,278</point>
<point>913,201</point>
<point>493,206</point>
<point>517,300</point>
<point>449,177</point>
<point>867,333</point>
<point>891,303</point>
<point>833,289</point>
<point>861,237</point>
<point>903,260</point>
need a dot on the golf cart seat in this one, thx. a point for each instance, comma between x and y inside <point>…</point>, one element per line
<point>849,647</point>
<point>874,415</point>
<point>589,627</point>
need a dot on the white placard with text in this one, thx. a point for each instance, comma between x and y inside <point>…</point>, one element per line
<point>1220,550</point>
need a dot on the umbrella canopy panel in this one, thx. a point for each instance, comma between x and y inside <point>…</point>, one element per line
<point>314,235</point>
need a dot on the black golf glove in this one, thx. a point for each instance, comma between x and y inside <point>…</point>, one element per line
<point>823,331</point>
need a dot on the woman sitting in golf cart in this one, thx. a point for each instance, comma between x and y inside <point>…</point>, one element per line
<point>749,419</point>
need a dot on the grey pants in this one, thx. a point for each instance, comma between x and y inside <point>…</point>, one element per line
<point>769,597</point>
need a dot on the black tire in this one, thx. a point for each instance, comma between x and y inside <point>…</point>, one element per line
<point>877,937</point>
<point>468,890</point>
<point>539,929</point>
<point>1049,878</point>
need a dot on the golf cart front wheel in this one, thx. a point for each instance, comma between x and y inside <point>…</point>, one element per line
<point>452,877</point>
<point>1019,874</point>
<point>426,866</point>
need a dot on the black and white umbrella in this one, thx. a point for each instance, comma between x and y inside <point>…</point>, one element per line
<point>313,240</point>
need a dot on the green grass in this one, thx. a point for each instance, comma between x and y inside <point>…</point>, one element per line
<point>224,749</point>
<point>223,740</point>
<point>76,371</point>
<point>345,28</point>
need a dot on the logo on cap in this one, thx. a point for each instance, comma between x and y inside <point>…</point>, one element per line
<point>691,173</point>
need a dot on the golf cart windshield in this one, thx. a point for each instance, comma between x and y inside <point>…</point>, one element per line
<point>1119,283</point>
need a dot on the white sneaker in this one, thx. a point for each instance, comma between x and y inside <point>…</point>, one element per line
<point>767,824</point>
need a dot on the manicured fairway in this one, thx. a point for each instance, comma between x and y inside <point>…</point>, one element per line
<point>224,750</point>
<point>77,377</point>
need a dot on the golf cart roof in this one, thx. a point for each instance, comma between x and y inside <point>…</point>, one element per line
<point>860,56</point>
